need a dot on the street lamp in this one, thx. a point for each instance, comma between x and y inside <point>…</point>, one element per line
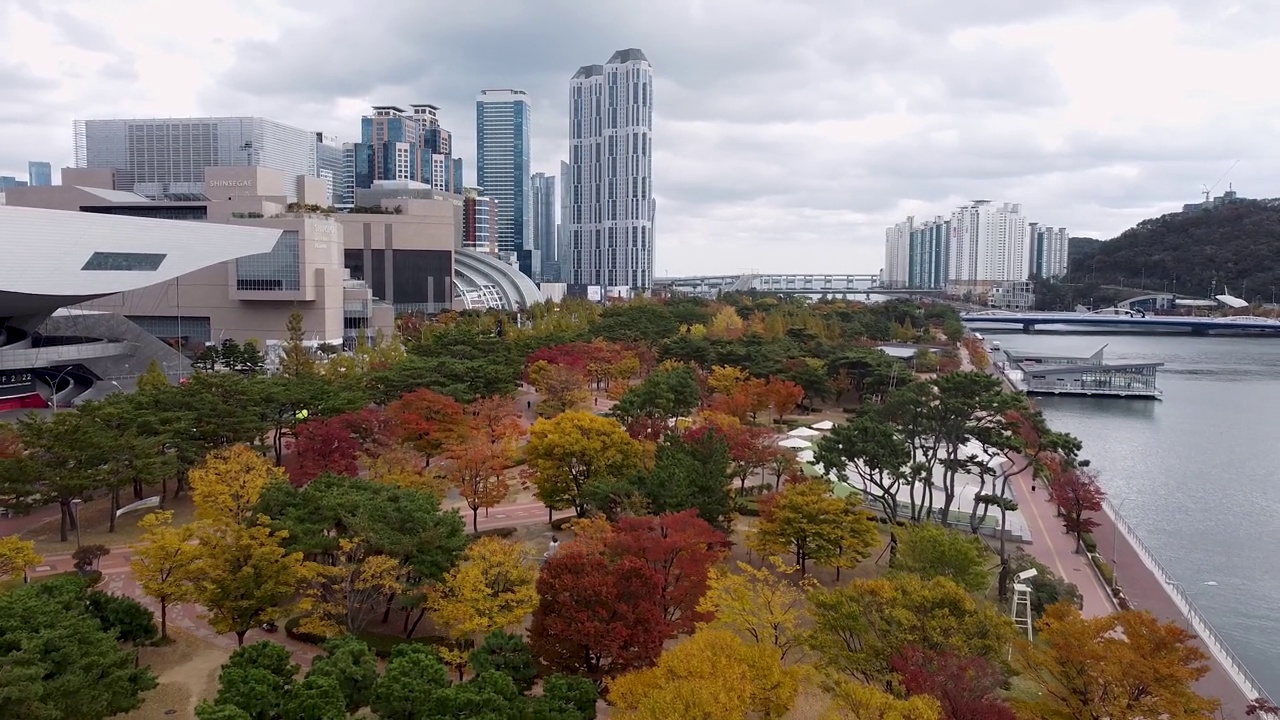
<point>1115,525</point>
<point>75,518</point>
<point>56,380</point>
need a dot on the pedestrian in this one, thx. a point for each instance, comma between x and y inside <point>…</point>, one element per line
<point>1033,486</point>
<point>597,402</point>
<point>530,405</point>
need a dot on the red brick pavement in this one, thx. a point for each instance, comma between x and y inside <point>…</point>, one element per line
<point>1146,592</point>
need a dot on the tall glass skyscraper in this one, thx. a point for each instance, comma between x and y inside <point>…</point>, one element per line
<point>39,174</point>
<point>611,163</point>
<point>542,221</point>
<point>411,145</point>
<point>502,171</point>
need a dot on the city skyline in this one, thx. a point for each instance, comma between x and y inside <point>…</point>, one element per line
<point>818,149</point>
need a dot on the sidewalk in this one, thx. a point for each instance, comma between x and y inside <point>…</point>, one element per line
<point>1145,592</point>
<point>1053,547</point>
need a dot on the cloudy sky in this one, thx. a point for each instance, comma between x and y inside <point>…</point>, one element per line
<point>789,133</point>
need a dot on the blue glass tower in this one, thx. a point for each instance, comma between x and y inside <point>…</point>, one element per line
<point>503,170</point>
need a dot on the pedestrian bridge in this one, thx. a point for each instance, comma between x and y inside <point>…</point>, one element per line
<point>795,284</point>
<point>1112,318</point>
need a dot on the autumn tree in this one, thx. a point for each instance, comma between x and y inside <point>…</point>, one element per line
<point>725,379</point>
<point>1123,666</point>
<point>680,548</point>
<point>560,388</point>
<point>243,577</point>
<point>751,449</point>
<point>162,562</point>
<point>596,617</point>
<point>491,589</point>
<point>427,420</point>
<point>713,675</point>
<point>324,445</point>
<point>477,469</point>
<point>783,397</point>
<point>855,701</point>
<point>726,324</point>
<point>298,359</point>
<point>859,627</point>
<point>815,525</point>
<point>404,467</point>
<point>343,596</point>
<point>573,450</point>
<point>930,550</point>
<point>759,603</point>
<point>967,688</point>
<point>17,556</point>
<point>229,482</point>
<point>1077,494</point>
<point>152,378</point>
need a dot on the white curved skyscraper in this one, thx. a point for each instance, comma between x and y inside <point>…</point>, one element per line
<point>610,173</point>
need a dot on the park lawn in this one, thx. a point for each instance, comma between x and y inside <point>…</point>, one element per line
<point>94,521</point>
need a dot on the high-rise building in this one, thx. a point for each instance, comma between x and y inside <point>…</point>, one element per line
<point>502,170</point>
<point>564,261</point>
<point>163,157</point>
<point>988,246</point>
<point>543,202</point>
<point>357,171</point>
<point>1048,251</point>
<point>927,266</point>
<point>611,163</point>
<point>39,174</point>
<point>897,254</point>
<point>8,182</point>
<point>410,145</point>
<point>329,165</point>
<point>479,222</point>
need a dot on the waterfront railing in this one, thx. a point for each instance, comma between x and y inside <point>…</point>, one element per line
<point>1212,640</point>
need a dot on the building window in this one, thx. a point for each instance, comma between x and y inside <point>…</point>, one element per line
<point>124,261</point>
<point>277,271</point>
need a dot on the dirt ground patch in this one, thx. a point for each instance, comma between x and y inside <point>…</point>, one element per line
<point>188,673</point>
<point>94,521</point>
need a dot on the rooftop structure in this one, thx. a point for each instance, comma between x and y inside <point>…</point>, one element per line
<point>1066,375</point>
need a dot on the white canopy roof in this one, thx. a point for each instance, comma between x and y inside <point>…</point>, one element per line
<point>805,456</point>
<point>804,432</point>
<point>824,425</point>
<point>794,442</point>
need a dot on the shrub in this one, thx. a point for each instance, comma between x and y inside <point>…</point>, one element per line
<point>1090,544</point>
<point>130,620</point>
<point>86,558</point>
<point>1104,569</point>
<point>562,523</point>
<point>502,532</point>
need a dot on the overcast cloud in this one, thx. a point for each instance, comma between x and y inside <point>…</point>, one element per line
<point>789,133</point>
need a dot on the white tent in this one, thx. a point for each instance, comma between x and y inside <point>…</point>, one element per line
<point>804,432</point>
<point>805,456</point>
<point>794,442</point>
<point>824,425</point>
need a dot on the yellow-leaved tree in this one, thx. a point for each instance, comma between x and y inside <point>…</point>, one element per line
<point>815,525</point>
<point>490,589</point>
<point>725,379</point>
<point>726,324</point>
<point>571,451</point>
<point>16,556</point>
<point>405,467</point>
<point>759,603</point>
<point>243,577</point>
<point>713,675</point>
<point>228,483</point>
<point>344,597</point>
<point>162,562</point>
<point>855,701</point>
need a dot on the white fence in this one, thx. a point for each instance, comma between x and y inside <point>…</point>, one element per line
<point>1212,640</point>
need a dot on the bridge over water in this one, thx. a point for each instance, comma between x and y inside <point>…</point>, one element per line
<point>794,284</point>
<point>1133,322</point>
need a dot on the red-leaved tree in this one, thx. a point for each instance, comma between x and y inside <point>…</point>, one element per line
<point>1077,494</point>
<point>681,548</point>
<point>751,449</point>
<point>783,396</point>
<point>427,420</point>
<point>967,687</point>
<point>373,429</point>
<point>597,617</point>
<point>324,445</point>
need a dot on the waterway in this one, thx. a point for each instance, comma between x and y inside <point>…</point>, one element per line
<point>1197,474</point>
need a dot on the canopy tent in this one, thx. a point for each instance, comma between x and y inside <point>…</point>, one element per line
<point>794,442</point>
<point>804,432</point>
<point>805,456</point>
<point>824,425</point>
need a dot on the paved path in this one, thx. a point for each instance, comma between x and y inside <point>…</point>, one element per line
<point>118,579</point>
<point>1052,546</point>
<point>1145,592</point>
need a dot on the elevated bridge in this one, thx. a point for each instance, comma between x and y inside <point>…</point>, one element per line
<point>1128,321</point>
<point>796,284</point>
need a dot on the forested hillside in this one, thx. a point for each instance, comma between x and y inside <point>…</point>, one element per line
<point>1237,246</point>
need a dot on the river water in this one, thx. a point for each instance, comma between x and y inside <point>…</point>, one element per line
<point>1197,474</point>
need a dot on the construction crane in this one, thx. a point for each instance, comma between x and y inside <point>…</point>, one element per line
<point>1208,189</point>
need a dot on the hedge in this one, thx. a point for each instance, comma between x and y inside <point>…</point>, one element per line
<point>382,645</point>
<point>502,532</point>
<point>562,523</point>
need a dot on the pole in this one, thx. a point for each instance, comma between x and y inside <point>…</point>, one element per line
<point>177,292</point>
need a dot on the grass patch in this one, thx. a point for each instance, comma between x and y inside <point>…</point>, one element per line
<point>1022,688</point>
<point>94,521</point>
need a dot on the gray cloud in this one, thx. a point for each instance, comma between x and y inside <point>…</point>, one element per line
<point>788,134</point>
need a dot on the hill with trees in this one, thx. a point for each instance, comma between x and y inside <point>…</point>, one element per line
<point>1236,246</point>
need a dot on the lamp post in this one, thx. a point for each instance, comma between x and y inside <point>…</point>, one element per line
<point>56,381</point>
<point>75,518</point>
<point>1115,526</point>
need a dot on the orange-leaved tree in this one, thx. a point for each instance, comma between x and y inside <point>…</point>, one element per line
<point>427,420</point>
<point>477,468</point>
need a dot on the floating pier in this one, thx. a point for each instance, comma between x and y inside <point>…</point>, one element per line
<point>1064,375</point>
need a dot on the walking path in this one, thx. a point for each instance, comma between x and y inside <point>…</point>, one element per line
<point>1056,549</point>
<point>1145,591</point>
